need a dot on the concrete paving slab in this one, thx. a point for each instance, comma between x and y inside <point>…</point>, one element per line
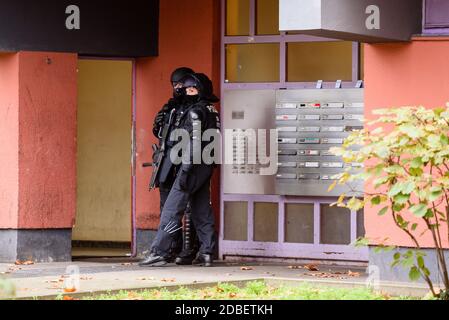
<point>103,275</point>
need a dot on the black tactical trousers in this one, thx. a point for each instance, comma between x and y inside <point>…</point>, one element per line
<point>176,246</point>
<point>175,206</point>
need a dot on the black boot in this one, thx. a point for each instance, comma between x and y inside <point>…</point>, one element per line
<point>185,258</point>
<point>153,260</point>
<point>203,259</point>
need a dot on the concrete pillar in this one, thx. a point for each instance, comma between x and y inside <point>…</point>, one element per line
<point>38,100</point>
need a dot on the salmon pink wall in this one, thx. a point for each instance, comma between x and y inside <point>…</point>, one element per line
<point>404,74</point>
<point>189,36</point>
<point>47,139</point>
<point>9,135</point>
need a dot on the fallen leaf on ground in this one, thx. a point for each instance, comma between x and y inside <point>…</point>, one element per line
<point>126,264</point>
<point>295,267</point>
<point>353,274</point>
<point>232,295</point>
<point>246,268</point>
<point>168,280</point>
<point>52,281</point>
<point>386,296</point>
<point>145,279</point>
<point>311,267</point>
<point>23,263</point>
<point>86,278</point>
<point>324,275</point>
<point>206,294</point>
<point>133,296</point>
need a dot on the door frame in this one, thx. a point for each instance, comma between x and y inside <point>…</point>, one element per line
<point>133,145</point>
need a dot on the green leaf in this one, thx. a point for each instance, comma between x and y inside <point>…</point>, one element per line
<point>416,163</point>
<point>361,242</point>
<point>416,172</point>
<point>408,187</point>
<point>420,261</point>
<point>411,130</point>
<point>397,207</point>
<point>434,141</point>
<point>380,181</point>
<point>382,152</point>
<point>355,204</point>
<point>444,139</point>
<point>401,198</point>
<point>395,190</point>
<point>414,226</point>
<point>414,274</point>
<point>383,211</point>
<point>397,256</point>
<point>435,193</point>
<point>419,210</point>
<point>375,200</point>
<point>438,111</point>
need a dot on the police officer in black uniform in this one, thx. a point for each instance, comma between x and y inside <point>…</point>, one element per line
<point>167,173</point>
<point>192,181</point>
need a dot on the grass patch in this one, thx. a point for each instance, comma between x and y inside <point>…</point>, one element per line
<point>256,290</point>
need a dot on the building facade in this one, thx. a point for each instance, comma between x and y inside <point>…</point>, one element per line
<point>76,111</point>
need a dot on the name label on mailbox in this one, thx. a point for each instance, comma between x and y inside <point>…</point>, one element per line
<point>332,117</point>
<point>309,140</point>
<point>309,117</point>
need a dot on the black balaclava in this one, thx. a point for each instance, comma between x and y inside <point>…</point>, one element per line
<point>177,76</point>
<point>204,86</point>
<point>191,81</point>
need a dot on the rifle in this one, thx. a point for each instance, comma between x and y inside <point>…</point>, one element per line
<point>160,152</point>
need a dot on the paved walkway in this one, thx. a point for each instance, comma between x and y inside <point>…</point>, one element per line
<point>102,275</point>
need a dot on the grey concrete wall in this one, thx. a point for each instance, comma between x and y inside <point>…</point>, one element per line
<point>144,238</point>
<point>49,245</point>
<point>383,261</point>
<point>8,245</point>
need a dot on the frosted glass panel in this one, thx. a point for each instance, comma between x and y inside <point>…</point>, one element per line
<point>312,61</point>
<point>360,224</point>
<point>266,222</point>
<point>237,17</point>
<point>267,16</point>
<point>299,223</point>
<point>335,225</point>
<point>252,62</point>
<point>236,221</point>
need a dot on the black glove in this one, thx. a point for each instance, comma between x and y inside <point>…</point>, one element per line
<point>158,122</point>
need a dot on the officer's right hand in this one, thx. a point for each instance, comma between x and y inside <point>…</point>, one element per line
<point>158,123</point>
<point>159,120</point>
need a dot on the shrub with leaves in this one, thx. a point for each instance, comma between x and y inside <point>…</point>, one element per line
<point>406,156</point>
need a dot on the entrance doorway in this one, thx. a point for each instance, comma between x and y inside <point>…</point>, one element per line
<point>103,225</point>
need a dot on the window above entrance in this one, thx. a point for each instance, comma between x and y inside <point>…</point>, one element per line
<point>256,52</point>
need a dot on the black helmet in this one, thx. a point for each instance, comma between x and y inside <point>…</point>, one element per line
<point>203,84</point>
<point>180,73</point>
